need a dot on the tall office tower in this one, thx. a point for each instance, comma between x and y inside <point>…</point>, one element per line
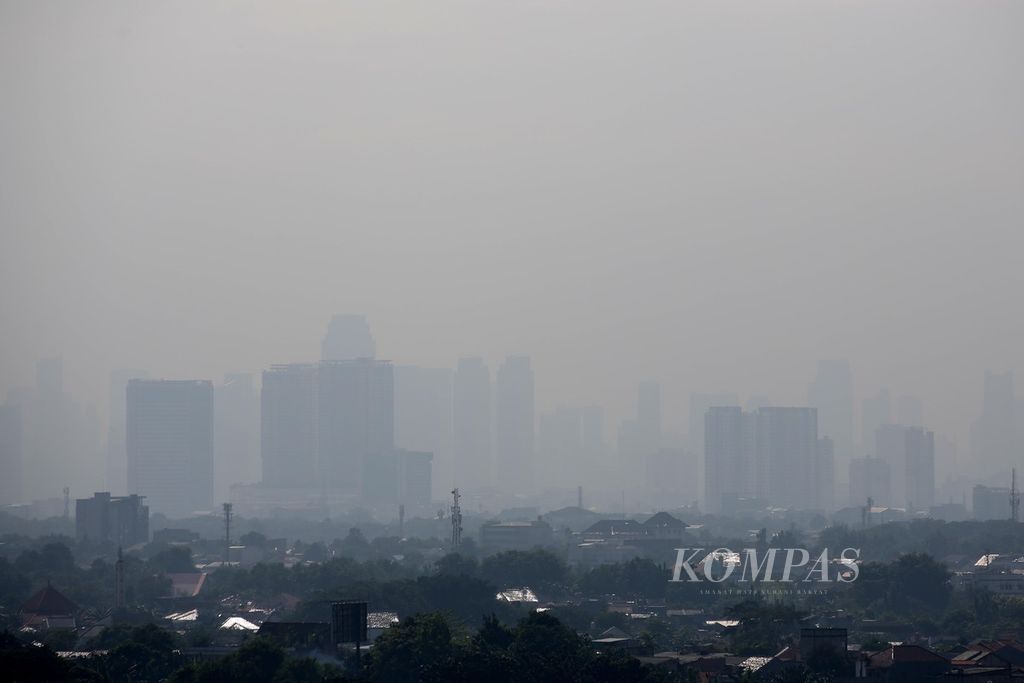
<point>699,405</point>
<point>825,484</point>
<point>514,425</point>
<point>831,393</point>
<point>10,454</point>
<point>869,478</point>
<point>993,435</point>
<point>61,438</point>
<point>730,471</point>
<point>910,452</point>
<point>117,459</point>
<point>170,444</point>
<point>288,426</point>
<point>355,420</point>
<point>875,411</point>
<point>423,419</point>
<point>920,474</point>
<point>236,434</point>
<point>560,447</point>
<point>472,445</point>
<point>787,452</point>
<point>348,337</point>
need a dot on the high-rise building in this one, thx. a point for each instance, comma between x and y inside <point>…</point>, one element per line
<point>288,426</point>
<point>10,454</point>
<point>990,502</point>
<point>348,337</point>
<point>170,444</point>
<point>869,478</point>
<point>593,437</point>
<point>787,453</point>
<point>236,435</point>
<point>875,411</point>
<point>994,434</point>
<point>825,472</point>
<point>471,425</point>
<point>831,393</point>
<point>514,425</point>
<point>423,419</point>
<point>910,453</point>
<point>117,459</point>
<point>773,454</point>
<point>355,420</point>
<point>729,456</point>
<point>121,520</point>
<point>560,447</point>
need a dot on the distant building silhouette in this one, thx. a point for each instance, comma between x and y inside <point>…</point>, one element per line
<point>910,453</point>
<point>787,452</point>
<point>170,444</point>
<point>994,434</point>
<point>773,455</point>
<point>121,520</point>
<point>514,425</point>
<point>117,458</point>
<point>869,478</point>
<point>472,443</point>
<point>355,420</point>
<point>423,419</point>
<point>288,426</point>
<point>348,337</point>
<point>236,434</point>
<point>10,454</point>
<point>875,411</point>
<point>729,455</point>
<point>560,446</point>
<point>831,393</point>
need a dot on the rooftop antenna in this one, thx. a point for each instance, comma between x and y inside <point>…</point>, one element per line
<point>227,533</point>
<point>866,513</point>
<point>456,520</point>
<point>1014,497</point>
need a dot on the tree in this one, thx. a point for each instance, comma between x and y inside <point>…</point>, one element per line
<point>418,649</point>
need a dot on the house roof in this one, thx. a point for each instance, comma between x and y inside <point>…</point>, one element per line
<point>49,601</point>
<point>663,520</point>
<point>615,526</point>
<point>904,654</point>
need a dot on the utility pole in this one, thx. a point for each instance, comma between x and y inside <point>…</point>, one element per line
<point>227,533</point>
<point>456,520</point>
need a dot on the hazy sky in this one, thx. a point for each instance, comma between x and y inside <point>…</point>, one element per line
<point>713,194</point>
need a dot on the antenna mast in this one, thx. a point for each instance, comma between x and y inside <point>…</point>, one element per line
<point>456,520</point>
<point>227,533</point>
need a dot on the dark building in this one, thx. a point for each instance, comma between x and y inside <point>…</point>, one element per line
<point>170,444</point>
<point>122,520</point>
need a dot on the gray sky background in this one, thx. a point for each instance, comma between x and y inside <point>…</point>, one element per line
<point>713,194</point>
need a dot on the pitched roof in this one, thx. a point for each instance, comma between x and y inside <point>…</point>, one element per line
<point>49,601</point>
<point>903,654</point>
<point>614,526</point>
<point>665,521</point>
